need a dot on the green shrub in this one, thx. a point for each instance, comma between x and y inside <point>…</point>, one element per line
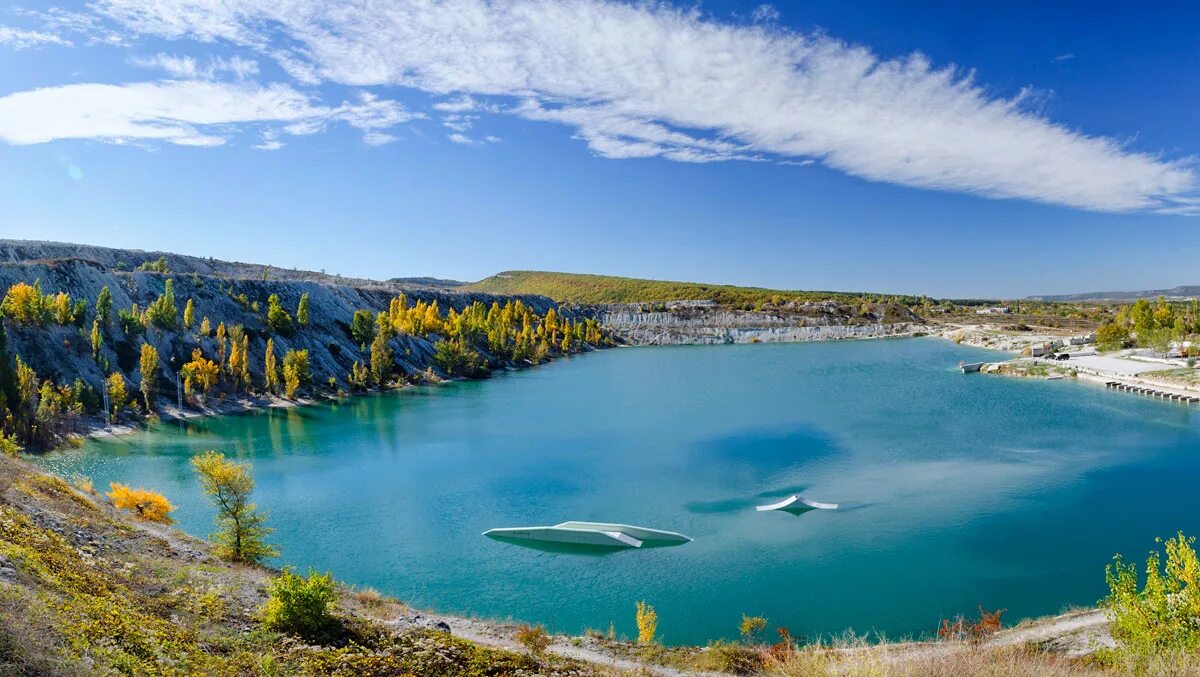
<point>299,605</point>
<point>1164,615</point>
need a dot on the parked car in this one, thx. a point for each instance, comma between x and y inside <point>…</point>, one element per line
<point>1062,356</point>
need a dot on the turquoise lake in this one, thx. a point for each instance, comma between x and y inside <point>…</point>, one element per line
<point>955,490</point>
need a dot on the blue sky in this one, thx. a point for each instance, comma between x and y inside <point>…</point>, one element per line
<point>940,148</point>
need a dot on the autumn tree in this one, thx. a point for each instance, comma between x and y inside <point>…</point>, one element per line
<point>205,327</point>
<point>25,304</point>
<point>302,310</point>
<point>270,370</point>
<point>189,314</point>
<point>201,371</point>
<point>143,503</point>
<point>97,339</point>
<point>241,528</point>
<point>118,393</point>
<point>244,367</point>
<point>221,334</point>
<point>148,363</point>
<point>295,371</point>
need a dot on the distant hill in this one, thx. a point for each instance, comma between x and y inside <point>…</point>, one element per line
<point>427,282</point>
<point>1177,293</point>
<point>581,288</point>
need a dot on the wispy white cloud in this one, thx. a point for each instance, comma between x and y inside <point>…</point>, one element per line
<point>1065,57</point>
<point>765,13</point>
<point>191,68</point>
<point>90,27</point>
<point>650,80</point>
<point>18,38</point>
<point>187,112</point>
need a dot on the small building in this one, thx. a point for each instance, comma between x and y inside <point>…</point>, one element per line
<point>1040,351</point>
<point>994,310</point>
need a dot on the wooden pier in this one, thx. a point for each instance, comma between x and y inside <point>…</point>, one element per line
<point>1151,392</point>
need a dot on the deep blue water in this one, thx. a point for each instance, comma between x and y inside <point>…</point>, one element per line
<point>956,490</point>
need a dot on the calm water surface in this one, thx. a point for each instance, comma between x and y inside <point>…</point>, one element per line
<point>956,490</point>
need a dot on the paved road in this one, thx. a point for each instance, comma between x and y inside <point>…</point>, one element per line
<point>1115,364</point>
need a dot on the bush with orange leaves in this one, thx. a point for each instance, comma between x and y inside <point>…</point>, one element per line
<point>961,628</point>
<point>143,503</point>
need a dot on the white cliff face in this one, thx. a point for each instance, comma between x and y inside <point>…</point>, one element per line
<point>710,325</point>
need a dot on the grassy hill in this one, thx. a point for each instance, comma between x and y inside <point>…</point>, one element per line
<point>580,288</point>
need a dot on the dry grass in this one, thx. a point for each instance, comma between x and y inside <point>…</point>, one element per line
<point>370,602</point>
<point>950,660</point>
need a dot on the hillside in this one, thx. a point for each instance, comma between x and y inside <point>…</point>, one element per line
<point>594,289</point>
<point>210,329</point>
<point>1180,293</point>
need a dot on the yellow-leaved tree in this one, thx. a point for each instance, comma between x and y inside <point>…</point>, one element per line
<point>647,623</point>
<point>148,363</point>
<point>143,503</point>
<point>241,527</point>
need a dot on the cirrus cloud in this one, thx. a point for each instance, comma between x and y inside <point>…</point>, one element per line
<point>182,112</point>
<point>651,80</point>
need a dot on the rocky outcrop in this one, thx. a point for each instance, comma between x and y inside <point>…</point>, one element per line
<point>696,323</point>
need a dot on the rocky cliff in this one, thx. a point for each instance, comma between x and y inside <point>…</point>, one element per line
<point>698,322</point>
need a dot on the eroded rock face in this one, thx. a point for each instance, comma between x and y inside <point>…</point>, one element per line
<point>697,323</point>
<point>64,353</point>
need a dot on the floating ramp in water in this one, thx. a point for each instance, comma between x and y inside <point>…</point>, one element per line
<point>797,504</point>
<point>592,533</point>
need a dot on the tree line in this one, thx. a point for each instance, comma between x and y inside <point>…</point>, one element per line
<point>38,413</point>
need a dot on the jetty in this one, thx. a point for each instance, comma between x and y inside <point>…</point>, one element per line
<point>1151,392</point>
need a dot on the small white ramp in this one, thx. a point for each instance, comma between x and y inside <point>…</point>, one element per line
<point>797,504</point>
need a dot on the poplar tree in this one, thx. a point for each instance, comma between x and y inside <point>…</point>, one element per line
<point>302,310</point>
<point>189,314</point>
<point>221,345</point>
<point>149,366</point>
<point>271,371</point>
<point>97,339</point>
<point>104,304</point>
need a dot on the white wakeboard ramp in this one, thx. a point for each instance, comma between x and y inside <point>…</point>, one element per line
<point>796,503</point>
<point>592,533</point>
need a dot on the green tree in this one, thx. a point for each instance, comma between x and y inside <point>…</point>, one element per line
<point>1112,336</point>
<point>300,606</point>
<point>302,310</point>
<point>457,360</point>
<point>362,327</point>
<point>1162,615</point>
<point>104,305</point>
<point>382,359</point>
<point>163,313</point>
<point>278,318</point>
<point>148,363</point>
<point>241,529</point>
